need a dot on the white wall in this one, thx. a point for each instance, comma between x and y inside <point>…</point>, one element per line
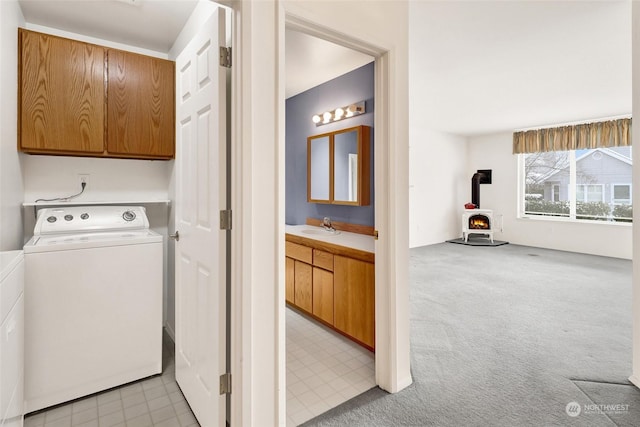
<point>10,168</point>
<point>109,179</point>
<point>495,152</point>
<point>439,183</point>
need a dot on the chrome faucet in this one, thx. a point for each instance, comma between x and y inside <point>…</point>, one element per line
<point>326,224</point>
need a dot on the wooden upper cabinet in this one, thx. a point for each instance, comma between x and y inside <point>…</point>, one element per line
<point>81,99</point>
<point>140,105</point>
<point>62,95</point>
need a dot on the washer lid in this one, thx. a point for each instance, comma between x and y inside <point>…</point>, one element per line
<point>76,219</point>
<point>48,243</point>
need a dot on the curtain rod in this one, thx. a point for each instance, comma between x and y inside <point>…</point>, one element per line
<point>582,122</point>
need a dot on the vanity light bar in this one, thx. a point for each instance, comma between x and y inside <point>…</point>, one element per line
<point>339,113</point>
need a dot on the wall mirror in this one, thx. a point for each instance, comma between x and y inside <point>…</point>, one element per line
<point>338,167</point>
<point>320,181</point>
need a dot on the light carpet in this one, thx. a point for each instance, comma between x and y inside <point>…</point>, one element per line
<point>509,336</point>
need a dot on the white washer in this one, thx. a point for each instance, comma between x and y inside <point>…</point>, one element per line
<point>93,302</point>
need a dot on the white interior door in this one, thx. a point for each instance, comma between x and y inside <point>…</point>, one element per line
<point>201,249</point>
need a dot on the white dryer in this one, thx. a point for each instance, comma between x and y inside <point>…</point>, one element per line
<point>93,302</point>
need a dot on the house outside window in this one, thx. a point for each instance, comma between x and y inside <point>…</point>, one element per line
<point>589,184</point>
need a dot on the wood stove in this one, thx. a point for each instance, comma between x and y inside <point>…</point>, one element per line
<point>477,221</point>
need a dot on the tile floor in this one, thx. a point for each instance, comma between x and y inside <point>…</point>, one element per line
<point>324,369</point>
<point>155,401</point>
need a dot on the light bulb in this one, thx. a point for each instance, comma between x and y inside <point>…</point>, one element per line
<point>316,118</point>
<point>339,113</point>
<point>327,117</point>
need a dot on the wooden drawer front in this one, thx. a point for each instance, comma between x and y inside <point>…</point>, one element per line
<point>323,259</point>
<point>303,286</point>
<point>299,252</point>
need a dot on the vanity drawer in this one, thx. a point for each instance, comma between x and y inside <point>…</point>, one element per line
<point>323,259</point>
<point>299,252</point>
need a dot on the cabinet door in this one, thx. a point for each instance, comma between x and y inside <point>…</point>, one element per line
<point>354,298</point>
<point>290,280</point>
<point>323,294</point>
<point>303,286</point>
<point>62,95</point>
<point>140,106</point>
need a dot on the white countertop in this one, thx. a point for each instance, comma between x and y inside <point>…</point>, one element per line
<point>8,261</point>
<point>342,238</point>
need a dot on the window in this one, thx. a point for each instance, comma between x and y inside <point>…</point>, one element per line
<point>589,184</point>
<point>589,193</point>
<point>621,194</point>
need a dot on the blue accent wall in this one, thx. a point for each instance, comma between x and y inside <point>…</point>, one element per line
<point>355,86</point>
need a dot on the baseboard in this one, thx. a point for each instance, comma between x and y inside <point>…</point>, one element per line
<point>406,382</point>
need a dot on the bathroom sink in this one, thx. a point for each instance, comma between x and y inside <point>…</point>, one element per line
<point>320,232</point>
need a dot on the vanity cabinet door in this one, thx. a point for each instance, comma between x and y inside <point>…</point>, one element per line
<point>303,297</point>
<point>290,280</point>
<point>354,298</point>
<point>323,294</point>
<point>61,95</point>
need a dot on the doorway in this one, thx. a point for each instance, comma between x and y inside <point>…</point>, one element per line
<point>323,367</point>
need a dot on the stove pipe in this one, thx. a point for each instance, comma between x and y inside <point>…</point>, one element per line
<point>475,188</point>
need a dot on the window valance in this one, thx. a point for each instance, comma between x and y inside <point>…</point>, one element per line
<point>611,133</point>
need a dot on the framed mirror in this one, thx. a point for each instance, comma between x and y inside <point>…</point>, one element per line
<point>338,167</point>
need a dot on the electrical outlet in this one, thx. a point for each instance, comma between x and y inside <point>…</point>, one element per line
<point>84,178</point>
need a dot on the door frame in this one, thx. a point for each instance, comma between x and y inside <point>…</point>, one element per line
<point>258,315</point>
<point>381,175</point>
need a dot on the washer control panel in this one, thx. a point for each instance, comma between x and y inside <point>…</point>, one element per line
<point>90,218</point>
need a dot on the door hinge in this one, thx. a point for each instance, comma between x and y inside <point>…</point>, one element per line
<point>225,220</point>
<point>375,234</point>
<point>225,57</point>
<point>225,383</point>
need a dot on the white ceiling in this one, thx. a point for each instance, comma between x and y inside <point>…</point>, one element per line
<point>480,67</point>
<point>475,66</point>
<point>311,61</point>
<point>150,24</point>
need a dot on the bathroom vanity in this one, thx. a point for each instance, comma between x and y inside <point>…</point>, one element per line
<point>330,276</point>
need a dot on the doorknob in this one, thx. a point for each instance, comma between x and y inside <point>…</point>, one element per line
<point>175,236</point>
